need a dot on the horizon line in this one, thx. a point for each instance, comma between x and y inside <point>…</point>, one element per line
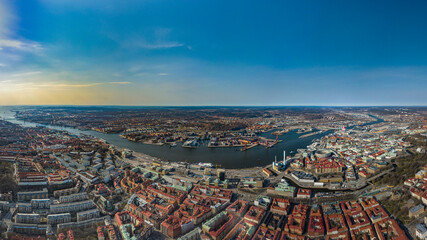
<point>120,105</point>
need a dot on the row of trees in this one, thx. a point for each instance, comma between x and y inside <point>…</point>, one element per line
<point>7,182</point>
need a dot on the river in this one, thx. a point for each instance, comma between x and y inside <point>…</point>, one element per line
<point>225,157</point>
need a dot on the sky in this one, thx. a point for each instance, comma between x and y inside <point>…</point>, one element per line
<point>222,52</point>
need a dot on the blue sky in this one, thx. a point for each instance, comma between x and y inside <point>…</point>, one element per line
<point>155,52</point>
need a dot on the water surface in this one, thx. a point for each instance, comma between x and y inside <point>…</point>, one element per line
<point>225,157</point>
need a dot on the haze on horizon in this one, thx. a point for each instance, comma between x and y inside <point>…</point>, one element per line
<point>166,52</point>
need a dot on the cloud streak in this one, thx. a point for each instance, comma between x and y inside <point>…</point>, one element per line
<point>27,46</point>
<point>141,43</point>
<point>158,40</point>
<point>24,74</point>
<point>157,45</point>
<point>121,83</point>
<point>68,85</point>
<point>13,84</point>
<point>7,39</point>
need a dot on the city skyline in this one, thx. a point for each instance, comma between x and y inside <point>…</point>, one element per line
<point>168,53</point>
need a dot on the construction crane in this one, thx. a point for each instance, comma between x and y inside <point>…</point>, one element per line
<point>216,167</point>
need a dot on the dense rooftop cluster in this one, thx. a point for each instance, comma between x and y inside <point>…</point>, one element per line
<point>346,159</point>
<point>225,127</point>
<point>73,187</point>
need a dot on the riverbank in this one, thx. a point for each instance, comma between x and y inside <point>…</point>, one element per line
<point>140,158</point>
<point>225,157</point>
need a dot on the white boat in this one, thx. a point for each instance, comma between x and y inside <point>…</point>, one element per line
<point>207,165</point>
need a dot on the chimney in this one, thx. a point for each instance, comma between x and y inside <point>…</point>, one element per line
<point>284,157</point>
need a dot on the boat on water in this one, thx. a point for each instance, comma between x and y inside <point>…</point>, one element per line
<point>206,165</point>
<point>191,143</point>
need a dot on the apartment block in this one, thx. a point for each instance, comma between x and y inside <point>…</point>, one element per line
<point>30,229</point>
<point>212,192</point>
<point>24,207</point>
<point>335,224</point>
<point>389,229</point>
<point>376,213</point>
<point>73,197</point>
<point>296,221</point>
<point>357,219</point>
<point>40,203</point>
<point>316,226</point>
<point>28,195</point>
<point>174,226</point>
<point>280,206</point>
<point>85,215</point>
<point>72,207</point>
<point>27,218</point>
<point>218,226</point>
<point>274,221</point>
<point>264,233</point>
<point>107,232</point>
<point>58,218</point>
<point>196,213</point>
<point>238,208</point>
<point>363,232</point>
<point>254,215</point>
<point>243,230</point>
<point>94,222</point>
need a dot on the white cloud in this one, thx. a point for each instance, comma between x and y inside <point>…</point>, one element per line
<point>120,82</point>
<point>6,18</point>
<point>72,85</point>
<point>10,43</point>
<point>67,85</point>
<point>19,45</point>
<point>17,84</point>
<point>8,40</point>
<point>163,74</point>
<point>158,39</point>
<point>142,43</point>
<point>19,81</point>
<point>24,74</point>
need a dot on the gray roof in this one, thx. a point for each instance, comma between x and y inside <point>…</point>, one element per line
<point>416,208</point>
